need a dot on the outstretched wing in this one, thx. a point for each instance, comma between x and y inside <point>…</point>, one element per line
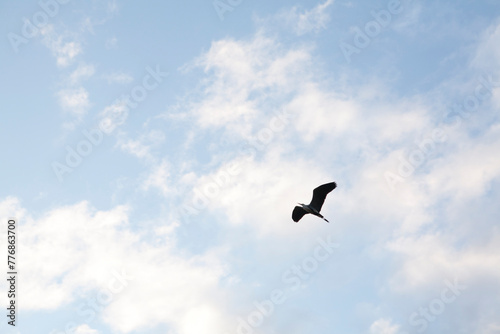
<point>298,213</point>
<point>319,195</point>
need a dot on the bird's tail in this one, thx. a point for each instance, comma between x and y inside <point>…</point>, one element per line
<point>325,219</point>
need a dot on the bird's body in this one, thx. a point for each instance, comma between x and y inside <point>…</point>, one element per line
<point>308,209</point>
<point>319,195</point>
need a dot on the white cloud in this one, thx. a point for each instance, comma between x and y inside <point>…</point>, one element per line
<point>409,22</point>
<point>492,328</point>
<point>331,114</point>
<point>470,172</point>
<point>239,69</point>
<point>105,11</point>
<point>430,257</point>
<point>249,80</point>
<point>85,329</point>
<point>118,78</point>
<point>141,147</point>
<point>158,178</point>
<point>74,100</point>
<point>64,51</point>
<point>261,72</point>
<point>203,319</point>
<point>113,7</point>
<point>312,20</point>
<point>383,326</point>
<point>136,148</point>
<point>114,115</point>
<point>83,71</point>
<point>11,207</point>
<point>249,191</point>
<point>302,21</point>
<point>75,252</point>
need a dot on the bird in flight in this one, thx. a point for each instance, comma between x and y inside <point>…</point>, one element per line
<point>319,195</point>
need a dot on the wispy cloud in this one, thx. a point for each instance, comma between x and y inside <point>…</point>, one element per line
<point>141,147</point>
<point>118,78</point>
<point>83,71</point>
<point>306,21</point>
<point>158,179</point>
<point>312,20</point>
<point>73,97</point>
<point>63,46</point>
<point>111,43</point>
<point>105,11</point>
<point>114,115</point>
<point>383,326</point>
<point>488,51</point>
<point>74,100</point>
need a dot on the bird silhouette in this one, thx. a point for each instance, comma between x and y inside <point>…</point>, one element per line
<point>319,195</point>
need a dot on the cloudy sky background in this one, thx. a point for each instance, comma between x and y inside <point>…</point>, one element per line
<point>170,212</point>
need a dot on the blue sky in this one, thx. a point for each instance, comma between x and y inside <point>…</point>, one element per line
<point>153,153</point>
